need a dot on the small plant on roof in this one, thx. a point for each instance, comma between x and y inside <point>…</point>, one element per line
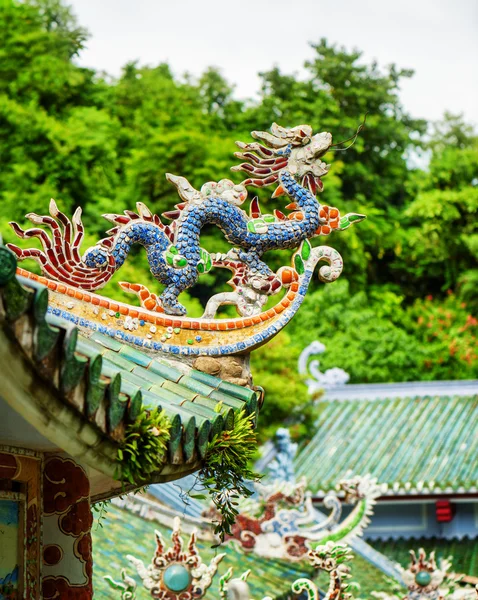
<point>143,450</point>
<point>226,471</point>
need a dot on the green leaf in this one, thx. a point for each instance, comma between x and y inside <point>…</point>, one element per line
<point>299,264</point>
<point>306,249</point>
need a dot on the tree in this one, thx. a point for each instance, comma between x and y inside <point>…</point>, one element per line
<point>439,247</point>
<point>103,144</point>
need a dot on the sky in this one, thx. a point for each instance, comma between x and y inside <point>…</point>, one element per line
<point>438,39</point>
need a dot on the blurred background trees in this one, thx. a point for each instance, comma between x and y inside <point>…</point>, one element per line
<point>405,306</point>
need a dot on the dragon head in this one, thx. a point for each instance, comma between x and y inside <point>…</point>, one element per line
<point>295,149</point>
<point>359,487</point>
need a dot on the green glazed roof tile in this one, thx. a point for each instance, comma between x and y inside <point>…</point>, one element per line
<point>236,391</point>
<point>130,389</point>
<point>152,400</point>
<point>168,395</point>
<point>166,371</point>
<point>189,435</point>
<point>196,386</point>
<point>109,369</point>
<point>135,356</point>
<point>217,419</point>
<point>208,402</point>
<point>115,358</point>
<point>210,380</point>
<point>148,375</point>
<point>113,381</point>
<point>222,397</point>
<point>252,405</point>
<point>407,443</point>
<point>88,347</point>
<point>136,379</point>
<point>106,341</point>
<point>179,389</point>
<point>204,434</point>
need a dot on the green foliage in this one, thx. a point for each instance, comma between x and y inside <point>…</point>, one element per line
<point>142,451</point>
<point>447,333</point>
<point>359,334</point>
<point>226,470</point>
<point>286,400</point>
<point>101,510</point>
<point>103,144</point>
<point>376,338</point>
<point>440,241</point>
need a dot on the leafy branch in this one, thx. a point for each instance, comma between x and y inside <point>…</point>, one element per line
<point>226,471</point>
<point>101,508</point>
<point>142,452</point>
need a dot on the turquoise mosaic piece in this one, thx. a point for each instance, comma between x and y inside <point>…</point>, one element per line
<point>174,573</point>
<point>423,578</point>
<point>177,578</point>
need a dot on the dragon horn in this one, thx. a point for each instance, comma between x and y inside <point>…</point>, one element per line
<point>270,139</point>
<point>53,208</point>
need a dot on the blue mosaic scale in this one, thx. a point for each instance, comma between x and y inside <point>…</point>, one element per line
<point>232,221</point>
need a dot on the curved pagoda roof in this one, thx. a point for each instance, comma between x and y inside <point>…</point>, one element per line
<point>422,445</point>
<point>80,393</point>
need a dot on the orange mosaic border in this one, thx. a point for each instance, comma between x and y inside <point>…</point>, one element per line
<point>136,312</point>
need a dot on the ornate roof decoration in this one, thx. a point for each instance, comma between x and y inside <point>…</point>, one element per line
<point>330,558</point>
<point>414,445</point>
<point>317,380</point>
<point>282,522</point>
<point>83,393</point>
<point>175,574</point>
<point>281,467</point>
<point>291,159</point>
<point>425,580</point>
<point>127,585</point>
<point>463,551</point>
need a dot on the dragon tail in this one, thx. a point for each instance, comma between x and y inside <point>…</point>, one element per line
<point>60,258</point>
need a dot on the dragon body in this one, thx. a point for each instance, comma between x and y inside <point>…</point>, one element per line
<point>232,221</point>
<point>290,159</point>
<point>283,522</point>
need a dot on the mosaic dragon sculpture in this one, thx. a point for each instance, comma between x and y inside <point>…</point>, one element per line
<point>174,573</point>
<point>289,158</point>
<point>282,522</point>
<point>177,575</point>
<point>427,579</point>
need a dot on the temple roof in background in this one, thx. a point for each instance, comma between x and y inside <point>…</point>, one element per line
<point>403,389</point>
<point>419,445</point>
